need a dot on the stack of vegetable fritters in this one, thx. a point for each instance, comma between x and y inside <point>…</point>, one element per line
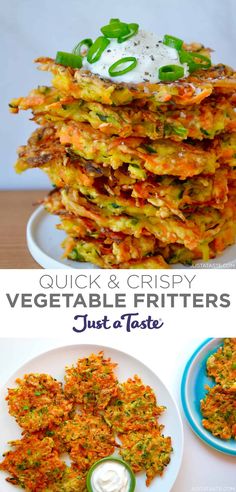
<point>144,173</point>
<point>82,419</point>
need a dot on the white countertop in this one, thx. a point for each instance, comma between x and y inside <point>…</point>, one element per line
<point>203,469</point>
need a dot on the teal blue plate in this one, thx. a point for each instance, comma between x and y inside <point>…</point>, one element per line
<point>193,390</point>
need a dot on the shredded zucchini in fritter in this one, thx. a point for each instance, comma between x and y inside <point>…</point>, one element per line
<point>134,408</point>
<point>218,407</point>
<point>88,439</point>
<point>146,450</point>
<point>219,412</point>
<point>205,120</point>
<point>92,382</point>
<point>38,402</point>
<point>222,365</point>
<point>192,90</point>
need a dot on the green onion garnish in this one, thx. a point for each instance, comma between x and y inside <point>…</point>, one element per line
<point>85,42</point>
<point>169,73</point>
<point>149,149</point>
<point>133,63</point>
<point>115,29</point>
<point>69,59</point>
<point>195,61</point>
<point>95,51</point>
<point>133,28</point>
<point>173,42</point>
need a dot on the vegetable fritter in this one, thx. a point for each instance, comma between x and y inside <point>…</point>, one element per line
<point>53,432</point>
<point>82,84</point>
<point>200,121</point>
<point>134,408</point>
<point>72,481</point>
<point>195,228</point>
<point>222,365</point>
<point>161,157</point>
<point>88,439</point>
<point>114,250</point>
<point>34,464</point>
<point>115,190</point>
<point>219,412</point>
<point>38,402</point>
<point>146,450</point>
<point>92,382</point>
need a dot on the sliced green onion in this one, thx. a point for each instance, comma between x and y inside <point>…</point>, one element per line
<point>116,29</point>
<point>133,63</point>
<point>180,130</point>
<point>173,42</point>
<point>133,28</point>
<point>149,149</point>
<point>97,48</point>
<point>69,59</point>
<point>74,254</point>
<point>85,42</point>
<point>195,61</point>
<point>169,73</point>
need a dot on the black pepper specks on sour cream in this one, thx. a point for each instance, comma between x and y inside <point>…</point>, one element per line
<point>149,51</point>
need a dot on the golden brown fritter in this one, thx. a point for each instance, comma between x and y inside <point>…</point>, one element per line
<point>92,382</point>
<point>219,412</point>
<point>82,84</point>
<point>134,408</point>
<point>72,481</point>
<point>115,250</point>
<point>53,432</point>
<point>33,464</point>
<point>196,226</point>
<point>205,120</point>
<point>115,190</point>
<point>159,157</point>
<point>146,450</point>
<point>88,439</point>
<point>222,365</point>
<point>38,402</point>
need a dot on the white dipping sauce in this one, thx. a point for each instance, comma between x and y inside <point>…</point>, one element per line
<point>149,51</point>
<point>110,476</point>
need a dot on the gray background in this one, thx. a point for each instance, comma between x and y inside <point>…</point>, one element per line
<point>32,28</point>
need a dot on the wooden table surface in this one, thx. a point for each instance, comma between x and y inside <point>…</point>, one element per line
<point>15,210</point>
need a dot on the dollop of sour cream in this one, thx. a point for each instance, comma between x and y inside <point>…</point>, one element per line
<point>110,476</point>
<point>149,51</point>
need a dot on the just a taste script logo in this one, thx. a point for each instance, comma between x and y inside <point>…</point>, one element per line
<point>128,321</point>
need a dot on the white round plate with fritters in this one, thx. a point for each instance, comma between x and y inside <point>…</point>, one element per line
<point>54,361</point>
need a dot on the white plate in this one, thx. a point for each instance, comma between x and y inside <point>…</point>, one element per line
<point>44,243</point>
<point>54,361</point>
